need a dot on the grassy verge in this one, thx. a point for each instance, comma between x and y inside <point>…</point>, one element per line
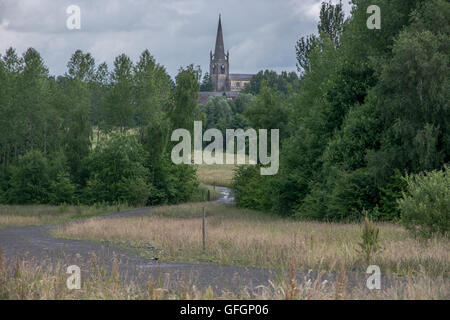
<point>248,238</point>
<point>22,215</point>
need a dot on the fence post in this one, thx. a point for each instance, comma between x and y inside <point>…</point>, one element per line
<point>204,229</point>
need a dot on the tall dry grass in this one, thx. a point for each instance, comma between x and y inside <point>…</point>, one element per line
<point>30,280</point>
<point>247,238</point>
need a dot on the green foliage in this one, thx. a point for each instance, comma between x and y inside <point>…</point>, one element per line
<point>152,87</point>
<point>282,83</point>
<point>114,166</point>
<point>425,206</point>
<point>331,21</point>
<point>389,196</point>
<point>247,183</point>
<point>62,190</point>
<point>184,109</point>
<point>218,113</point>
<point>207,84</point>
<point>118,110</point>
<point>331,25</point>
<point>242,102</point>
<point>134,191</point>
<point>173,183</point>
<point>30,179</point>
<point>46,128</point>
<point>268,111</point>
<point>372,105</point>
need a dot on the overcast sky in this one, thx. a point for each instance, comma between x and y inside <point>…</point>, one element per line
<point>259,34</point>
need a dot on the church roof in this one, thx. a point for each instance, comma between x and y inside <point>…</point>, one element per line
<point>241,76</point>
<point>219,52</point>
<point>203,96</point>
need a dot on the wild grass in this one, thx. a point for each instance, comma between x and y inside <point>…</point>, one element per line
<point>217,174</point>
<point>202,193</point>
<point>30,280</point>
<point>242,237</point>
<point>220,175</point>
<point>21,215</point>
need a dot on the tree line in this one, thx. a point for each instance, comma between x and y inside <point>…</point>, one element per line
<point>93,135</point>
<point>372,106</point>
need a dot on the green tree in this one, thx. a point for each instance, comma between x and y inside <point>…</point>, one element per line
<point>30,179</point>
<point>207,84</point>
<point>184,109</point>
<point>119,109</point>
<point>218,113</point>
<point>114,165</point>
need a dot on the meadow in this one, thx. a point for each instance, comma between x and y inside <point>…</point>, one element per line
<point>244,237</point>
<point>26,215</point>
<point>218,174</point>
<point>237,237</point>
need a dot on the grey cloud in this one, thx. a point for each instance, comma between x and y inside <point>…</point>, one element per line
<point>259,34</point>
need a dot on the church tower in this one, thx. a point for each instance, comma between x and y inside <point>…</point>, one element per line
<point>219,67</point>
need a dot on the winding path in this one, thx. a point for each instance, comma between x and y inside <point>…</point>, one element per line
<point>34,242</point>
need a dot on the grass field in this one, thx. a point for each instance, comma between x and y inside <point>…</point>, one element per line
<point>23,215</point>
<point>249,238</point>
<point>218,174</point>
<point>234,236</point>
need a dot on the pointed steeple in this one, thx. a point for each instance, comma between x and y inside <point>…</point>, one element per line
<point>219,52</point>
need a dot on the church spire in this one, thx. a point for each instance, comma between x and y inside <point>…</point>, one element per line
<point>219,52</point>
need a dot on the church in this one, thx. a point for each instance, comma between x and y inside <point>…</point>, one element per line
<point>219,69</point>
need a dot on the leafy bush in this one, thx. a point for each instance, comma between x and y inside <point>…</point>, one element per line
<point>30,179</point>
<point>62,190</point>
<point>173,183</point>
<point>251,189</point>
<point>117,171</point>
<point>134,191</point>
<point>425,206</point>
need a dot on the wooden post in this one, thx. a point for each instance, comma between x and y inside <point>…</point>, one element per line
<point>214,195</point>
<point>209,195</point>
<point>204,229</point>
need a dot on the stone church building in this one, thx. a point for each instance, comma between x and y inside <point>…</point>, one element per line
<point>219,69</point>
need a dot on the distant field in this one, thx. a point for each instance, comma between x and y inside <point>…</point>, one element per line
<point>23,215</point>
<point>218,174</point>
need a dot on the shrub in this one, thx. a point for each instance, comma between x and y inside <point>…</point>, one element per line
<point>30,179</point>
<point>134,192</point>
<point>172,183</point>
<point>62,190</point>
<point>251,189</point>
<point>425,206</point>
<point>114,165</point>
<point>369,244</point>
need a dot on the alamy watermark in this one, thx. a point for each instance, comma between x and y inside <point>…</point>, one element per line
<point>235,154</point>
<point>374,280</point>
<point>74,19</point>
<point>374,21</point>
<point>74,281</point>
